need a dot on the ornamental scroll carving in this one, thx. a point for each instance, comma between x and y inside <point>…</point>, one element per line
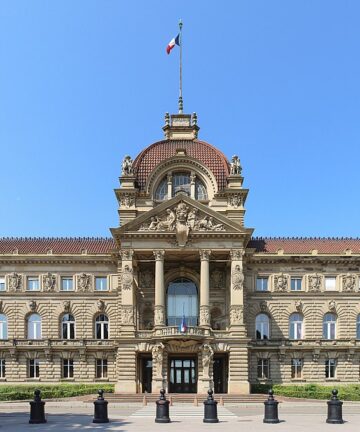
<point>49,282</point>
<point>157,358</point>
<point>182,219</point>
<point>127,277</point>
<point>348,282</point>
<point>15,282</point>
<point>83,282</point>
<point>314,282</point>
<point>127,166</point>
<point>237,278</point>
<point>280,282</point>
<point>207,356</point>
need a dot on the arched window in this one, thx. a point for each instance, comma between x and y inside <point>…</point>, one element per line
<point>68,327</point>
<point>3,327</point>
<point>358,327</point>
<point>182,301</point>
<point>181,182</point>
<point>34,326</point>
<point>262,324</point>
<point>296,326</point>
<point>329,326</point>
<point>102,327</point>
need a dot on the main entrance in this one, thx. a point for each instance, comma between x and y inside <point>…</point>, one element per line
<point>182,375</point>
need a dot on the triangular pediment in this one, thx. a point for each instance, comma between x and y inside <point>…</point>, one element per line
<point>182,213</point>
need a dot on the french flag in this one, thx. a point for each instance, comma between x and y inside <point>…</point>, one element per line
<point>183,326</point>
<point>172,43</point>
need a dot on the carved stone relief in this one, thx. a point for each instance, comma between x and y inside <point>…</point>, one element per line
<point>127,277</point>
<point>298,305</point>
<point>49,282</point>
<point>280,282</point>
<point>263,306</point>
<point>314,282</point>
<point>348,282</point>
<point>15,282</point>
<point>236,315</point>
<point>332,305</point>
<point>100,304</point>
<point>32,305</point>
<point>127,200</point>
<point>126,254</point>
<point>237,278</point>
<point>204,315</point>
<point>83,282</point>
<point>127,315</point>
<point>159,315</point>
<point>217,279</point>
<point>147,279</point>
<point>66,306</point>
<point>235,200</point>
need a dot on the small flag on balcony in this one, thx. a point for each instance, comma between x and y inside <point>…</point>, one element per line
<point>182,326</point>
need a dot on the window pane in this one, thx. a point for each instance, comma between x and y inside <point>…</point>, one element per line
<point>33,284</point>
<point>330,283</point>
<point>162,190</point>
<point>296,284</point>
<point>101,283</point>
<point>2,284</point>
<point>262,284</point>
<point>181,183</point>
<point>67,284</point>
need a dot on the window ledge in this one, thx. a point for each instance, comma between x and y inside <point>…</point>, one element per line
<point>298,380</point>
<point>33,379</point>
<point>102,379</point>
<point>67,379</point>
<point>332,380</point>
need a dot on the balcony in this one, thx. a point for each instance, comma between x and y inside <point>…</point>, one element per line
<point>171,332</point>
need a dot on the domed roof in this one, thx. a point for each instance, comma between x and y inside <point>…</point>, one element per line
<point>153,155</point>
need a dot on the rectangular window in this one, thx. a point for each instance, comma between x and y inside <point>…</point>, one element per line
<point>263,369</point>
<point>296,368</point>
<point>101,368</point>
<point>67,283</point>
<point>262,284</point>
<point>296,284</point>
<point>68,368</point>
<point>330,283</point>
<point>33,283</point>
<point>34,370</point>
<point>2,368</point>
<point>330,368</point>
<point>101,284</point>
<point>2,283</point>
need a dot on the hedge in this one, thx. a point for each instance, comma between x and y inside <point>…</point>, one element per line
<point>311,391</point>
<point>50,391</point>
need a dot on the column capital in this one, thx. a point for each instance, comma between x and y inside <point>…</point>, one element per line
<point>126,254</point>
<point>237,254</point>
<point>205,254</point>
<point>159,254</point>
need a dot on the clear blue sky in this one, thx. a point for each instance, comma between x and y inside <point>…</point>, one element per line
<point>84,82</point>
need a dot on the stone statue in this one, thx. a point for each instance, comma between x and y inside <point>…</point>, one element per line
<point>157,358</point>
<point>207,356</point>
<point>127,166</point>
<point>235,167</point>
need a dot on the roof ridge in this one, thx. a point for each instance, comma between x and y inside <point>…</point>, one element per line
<point>304,238</point>
<point>55,238</point>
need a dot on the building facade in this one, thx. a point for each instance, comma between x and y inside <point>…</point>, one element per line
<point>181,296</point>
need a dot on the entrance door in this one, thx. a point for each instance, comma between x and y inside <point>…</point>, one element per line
<point>146,374</point>
<point>220,374</point>
<point>182,375</point>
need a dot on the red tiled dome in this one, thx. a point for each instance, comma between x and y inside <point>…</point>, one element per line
<point>211,157</point>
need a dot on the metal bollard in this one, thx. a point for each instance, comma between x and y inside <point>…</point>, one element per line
<point>271,409</point>
<point>162,409</point>
<point>101,409</point>
<point>334,409</point>
<point>37,410</point>
<point>210,409</point>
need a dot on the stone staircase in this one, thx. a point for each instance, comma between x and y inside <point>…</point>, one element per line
<point>179,398</point>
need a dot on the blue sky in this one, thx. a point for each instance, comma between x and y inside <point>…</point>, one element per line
<point>84,82</point>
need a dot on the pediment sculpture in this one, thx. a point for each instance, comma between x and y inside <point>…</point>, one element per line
<point>182,219</point>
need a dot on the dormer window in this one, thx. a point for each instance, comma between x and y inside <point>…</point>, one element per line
<point>181,182</point>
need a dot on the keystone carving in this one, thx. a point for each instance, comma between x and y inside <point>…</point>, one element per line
<point>15,282</point>
<point>127,166</point>
<point>235,166</point>
<point>66,306</point>
<point>263,306</point>
<point>332,305</point>
<point>348,282</point>
<point>100,304</point>
<point>298,305</point>
<point>32,305</point>
<point>280,282</point>
<point>83,282</point>
<point>49,282</point>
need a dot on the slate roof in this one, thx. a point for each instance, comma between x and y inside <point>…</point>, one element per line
<point>210,156</point>
<point>100,245</point>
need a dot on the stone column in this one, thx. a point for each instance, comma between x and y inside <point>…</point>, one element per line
<point>205,288</point>
<point>127,290</point>
<point>159,310</point>
<point>169,186</point>
<point>192,185</point>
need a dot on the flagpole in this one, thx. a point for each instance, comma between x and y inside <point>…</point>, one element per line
<point>180,87</point>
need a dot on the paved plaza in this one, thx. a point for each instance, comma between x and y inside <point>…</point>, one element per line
<point>76,415</point>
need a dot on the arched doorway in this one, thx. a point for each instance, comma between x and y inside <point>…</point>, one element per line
<point>182,302</point>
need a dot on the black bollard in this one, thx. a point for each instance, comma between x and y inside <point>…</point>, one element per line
<point>210,409</point>
<point>101,409</point>
<point>271,409</point>
<point>334,409</point>
<point>37,410</point>
<point>162,409</point>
